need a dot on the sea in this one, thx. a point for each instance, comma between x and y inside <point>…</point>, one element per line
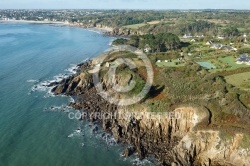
<point>35,129</point>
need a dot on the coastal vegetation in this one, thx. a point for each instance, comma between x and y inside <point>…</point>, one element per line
<point>194,56</point>
<point>160,42</point>
<point>223,102</point>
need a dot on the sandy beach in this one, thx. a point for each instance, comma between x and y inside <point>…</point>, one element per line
<point>34,22</point>
<point>97,29</point>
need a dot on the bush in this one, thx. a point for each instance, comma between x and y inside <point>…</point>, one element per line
<point>120,41</point>
<point>244,50</point>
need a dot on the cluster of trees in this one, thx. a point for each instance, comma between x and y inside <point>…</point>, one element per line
<point>182,27</point>
<point>231,32</point>
<point>160,42</point>
<point>120,41</point>
<point>244,50</point>
<point>118,18</point>
<point>156,43</point>
<point>197,27</point>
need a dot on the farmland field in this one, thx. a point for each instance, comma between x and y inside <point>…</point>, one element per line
<point>241,80</point>
<point>231,61</point>
<point>135,26</point>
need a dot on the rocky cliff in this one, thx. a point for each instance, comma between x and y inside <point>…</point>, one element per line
<point>172,140</point>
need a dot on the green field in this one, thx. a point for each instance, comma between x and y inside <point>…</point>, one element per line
<point>231,61</point>
<point>135,26</point>
<point>241,80</point>
<point>242,29</point>
<point>228,62</point>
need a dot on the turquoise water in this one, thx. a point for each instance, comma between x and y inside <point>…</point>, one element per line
<point>29,55</point>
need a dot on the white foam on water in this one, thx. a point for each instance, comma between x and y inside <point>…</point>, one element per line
<point>139,162</point>
<point>48,85</point>
<point>73,69</point>
<point>38,87</point>
<point>78,132</point>
<point>108,138</point>
<point>62,108</point>
<point>32,81</point>
<point>96,31</point>
<point>71,99</point>
<point>85,60</point>
<point>112,39</point>
<point>60,77</point>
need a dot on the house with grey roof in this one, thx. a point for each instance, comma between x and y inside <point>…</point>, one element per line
<point>243,59</point>
<point>217,46</point>
<point>228,48</point>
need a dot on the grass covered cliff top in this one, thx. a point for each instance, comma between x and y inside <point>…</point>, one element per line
<point>188,85</point>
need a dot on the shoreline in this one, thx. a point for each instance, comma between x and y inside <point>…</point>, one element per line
<point>144,135</point>
<point>106,30</point>
<point>32,22</point>
<point>94,29</point>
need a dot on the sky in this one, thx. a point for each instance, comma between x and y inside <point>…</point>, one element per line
<point>124,4</point>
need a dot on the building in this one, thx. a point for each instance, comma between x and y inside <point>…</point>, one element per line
<point>243,59</point>
<point>228,48</point>
<point>221,37</point>
<point>147,48</point>
<point>209,43</point>
<point>187,36</point>
<point>217,46</point>
<point>193,40</point>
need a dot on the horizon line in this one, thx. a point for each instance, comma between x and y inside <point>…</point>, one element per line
<point>116,9</point>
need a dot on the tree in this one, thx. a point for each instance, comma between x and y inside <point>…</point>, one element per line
<point>120,41</point>
<point>160,42</point>
<point>134,41</point>
<point>231,32</point>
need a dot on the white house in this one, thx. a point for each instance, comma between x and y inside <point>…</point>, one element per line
<point>209,43</point>
<point>221,37</point>
<point>147,48</point>
<point>193,40</point>
<point>217,46</point>
<point>187,36</point>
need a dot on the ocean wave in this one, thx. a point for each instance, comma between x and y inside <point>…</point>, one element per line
<point>48,85</point>
<point>96,31</point>
<point>73,69</point>
<point>111,41</point>
<point>78,132</point>
<point>71,99</point>
<point>143,162</point>
<point>56,108</point>
<point>85,60</point>
<point>32,81</point>
<point>62,108</point>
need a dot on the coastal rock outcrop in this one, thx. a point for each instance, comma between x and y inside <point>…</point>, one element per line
<point>172,137</point>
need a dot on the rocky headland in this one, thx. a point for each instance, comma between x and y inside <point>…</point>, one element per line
<point>173,141</point>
